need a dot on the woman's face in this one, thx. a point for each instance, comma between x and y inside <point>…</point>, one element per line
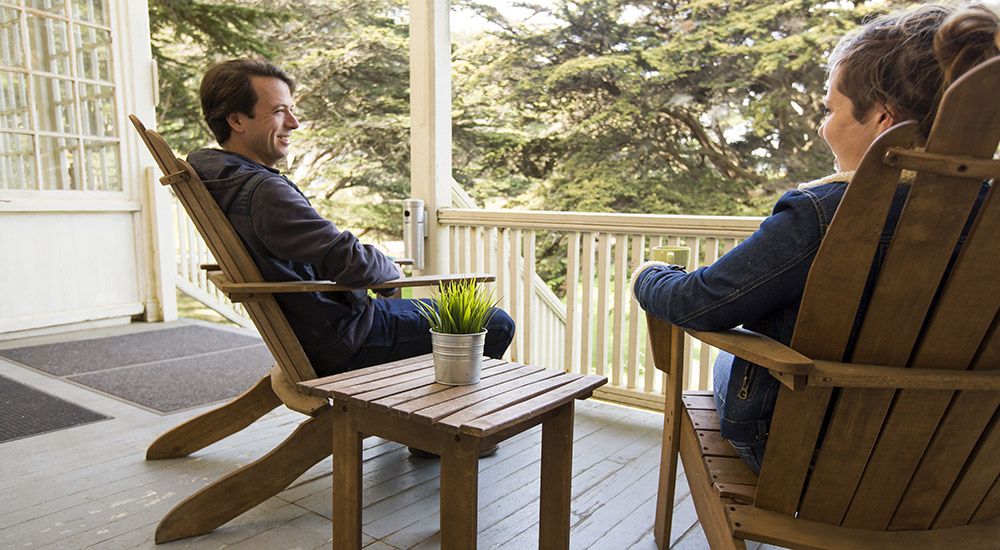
<point>848,137</point>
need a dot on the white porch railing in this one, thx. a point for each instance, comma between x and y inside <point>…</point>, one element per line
<point>191,252</point>
<point>599,328</point>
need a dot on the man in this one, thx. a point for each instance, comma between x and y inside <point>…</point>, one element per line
<point>248,106</point>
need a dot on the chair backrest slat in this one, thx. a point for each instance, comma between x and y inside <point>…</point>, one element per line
<point>231,255</point>
<point>868,472</point>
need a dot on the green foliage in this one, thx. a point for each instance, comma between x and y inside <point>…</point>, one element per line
<point>652,106</point>
<point>702,106</point>
<point>189,35</point>
<point>350,60</point>
<point>463,307</point>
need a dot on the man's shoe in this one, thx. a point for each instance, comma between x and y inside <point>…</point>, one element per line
<point>419,453</point>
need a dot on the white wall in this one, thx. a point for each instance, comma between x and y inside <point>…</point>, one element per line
<point>73,258</point>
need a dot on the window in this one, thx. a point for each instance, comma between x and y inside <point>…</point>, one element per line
<point>58,112</point>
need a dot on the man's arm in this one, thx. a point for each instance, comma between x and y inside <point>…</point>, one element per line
<point>292,229</point>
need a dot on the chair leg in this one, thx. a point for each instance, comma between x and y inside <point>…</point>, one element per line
<point>668,480</point>
<point>706,500</point>
<point>669,342</point>
<point>216,424</point>
<point>252,484</point>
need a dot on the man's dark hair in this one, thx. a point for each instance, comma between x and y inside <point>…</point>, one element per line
<point>226,89</point>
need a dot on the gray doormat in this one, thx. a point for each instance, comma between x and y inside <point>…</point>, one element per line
<point>163,370</point>
<point>26,411</point>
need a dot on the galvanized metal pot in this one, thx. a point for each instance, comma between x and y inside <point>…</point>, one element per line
<point>458,358</point>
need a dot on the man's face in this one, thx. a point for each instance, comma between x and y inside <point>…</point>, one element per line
<point>847,136</point>
<point>265,137</point>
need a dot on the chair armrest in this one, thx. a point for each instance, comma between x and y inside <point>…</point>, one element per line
<point>250,289</point>
<point>757,349</point>
<point>853,375</point>
<point>792,368</point>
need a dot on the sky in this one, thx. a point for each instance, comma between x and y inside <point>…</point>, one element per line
<point>467,22</point>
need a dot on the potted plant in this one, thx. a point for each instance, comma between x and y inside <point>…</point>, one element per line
<point>458,315</point>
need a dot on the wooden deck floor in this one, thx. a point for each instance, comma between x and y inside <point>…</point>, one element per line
<point>89,486</point>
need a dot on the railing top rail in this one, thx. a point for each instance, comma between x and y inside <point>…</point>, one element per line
<point>647,224</point>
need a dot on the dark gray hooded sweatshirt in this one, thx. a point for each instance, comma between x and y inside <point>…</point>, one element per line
<point>290,241</point>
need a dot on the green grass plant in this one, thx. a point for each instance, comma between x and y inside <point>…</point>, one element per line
<point>462,307</point>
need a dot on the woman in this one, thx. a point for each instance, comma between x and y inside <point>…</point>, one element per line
<point>892,69</point>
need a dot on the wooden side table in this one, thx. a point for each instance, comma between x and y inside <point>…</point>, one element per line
<point>400,401</point>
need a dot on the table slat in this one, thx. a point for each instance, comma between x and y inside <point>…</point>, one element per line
<point>457,412</point>
<point>313,387</point>
<point>425,380</point>
<point>406,403</point>
<point>580,387</point>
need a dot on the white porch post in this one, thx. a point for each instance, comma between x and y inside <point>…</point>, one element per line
<point>430,121</point>
<point>154,225</point>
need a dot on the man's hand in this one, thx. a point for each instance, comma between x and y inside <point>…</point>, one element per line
<point>389,292</point>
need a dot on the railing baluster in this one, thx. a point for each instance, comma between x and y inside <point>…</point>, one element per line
<point>653,383</point>
<point>528,291</point>
<point>621,298</point>
<point>453,256</point>
<point>467,245</point>
<point>603,290</point>
<point>513,290</point>
<point>572,269</point>
<point>638,256</point>
<point>180,225</point>
<point>586,362</point>
<point>491,239</point>
<point>477,250</point>
<point>501,273</point>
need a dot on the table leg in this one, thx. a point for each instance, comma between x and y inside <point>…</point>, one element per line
<point>557,467</point>
<point>460,495</point>
<point>346,481</point>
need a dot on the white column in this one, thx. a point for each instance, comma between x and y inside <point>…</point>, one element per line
<point>430,121</point>
<point>154,225</point>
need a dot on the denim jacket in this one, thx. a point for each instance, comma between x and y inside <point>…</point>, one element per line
<point>759,285</point>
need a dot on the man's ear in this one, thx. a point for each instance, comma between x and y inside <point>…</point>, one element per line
<point>235,122</point>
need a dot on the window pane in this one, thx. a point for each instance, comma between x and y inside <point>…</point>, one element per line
<point>17,162</point>
<point>59,163</point>
<point>93,53</point>
<point>54,6</point>
<point>98,104</point>
<point>56,108</point>
<point>93,11</point>
<point>10,38</point>
<point>102,165</point>
<point>13,100</point>
<point>49,45</point>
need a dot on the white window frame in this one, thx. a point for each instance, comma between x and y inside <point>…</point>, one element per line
<point>41,198</point>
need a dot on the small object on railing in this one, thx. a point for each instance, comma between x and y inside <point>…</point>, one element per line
<point>414,231</point>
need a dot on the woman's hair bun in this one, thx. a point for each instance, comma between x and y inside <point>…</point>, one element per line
<point>966,38</point>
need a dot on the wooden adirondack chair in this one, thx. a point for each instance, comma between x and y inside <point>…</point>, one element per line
<point>910,455</point>
<point>238,277</point>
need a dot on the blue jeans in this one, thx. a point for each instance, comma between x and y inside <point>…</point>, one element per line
<point>399,331</point>
<point>752,452</point>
